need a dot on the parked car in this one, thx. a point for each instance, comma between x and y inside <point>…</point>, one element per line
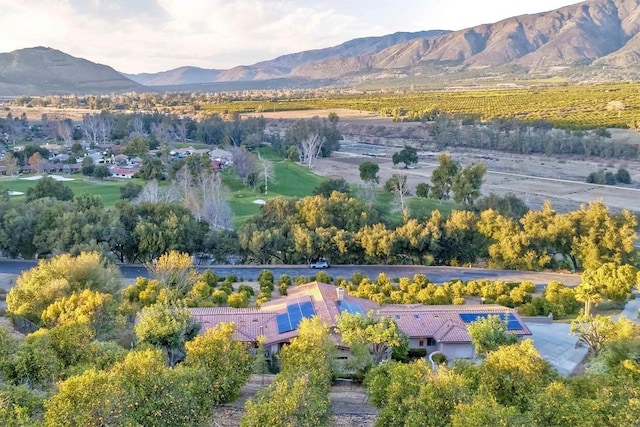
<point>319,264</point>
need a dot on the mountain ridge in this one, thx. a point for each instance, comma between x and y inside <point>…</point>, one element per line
<point>584,39</point>
<point>593,32</point>
<point>38,70</point>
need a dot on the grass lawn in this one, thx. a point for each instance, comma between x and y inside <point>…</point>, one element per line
<point>291,180</point>
<point>294,180</point>
<point>421,207</point>
<point>108,190</point>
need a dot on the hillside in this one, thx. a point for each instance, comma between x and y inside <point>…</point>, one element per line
<point>590,34</point>
<point>42,70</point>
<point>299,64</point>
<point>593,40</point>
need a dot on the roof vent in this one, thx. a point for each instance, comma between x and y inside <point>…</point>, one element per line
<point>340,293</point>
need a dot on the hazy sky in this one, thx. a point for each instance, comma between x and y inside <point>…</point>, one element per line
<point>155,35</point>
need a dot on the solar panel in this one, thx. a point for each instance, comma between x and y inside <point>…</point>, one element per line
<point>350,307</point>
<point>307,309</point>
<point>284,323</point>
<point>295,313</point>
<point>512,322</point>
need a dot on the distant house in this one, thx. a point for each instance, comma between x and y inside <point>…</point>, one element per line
<point>123,173</point>
<point>432,328</point>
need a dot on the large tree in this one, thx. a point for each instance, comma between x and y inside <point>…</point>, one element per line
<point>408,156</point>
<point>467,182</point>
<point>223,362</point>
<point>369,174</point>
<point>598,331</point>
<point>487,334</point>
<point>167,327</point>
<point>60,277</point>
<point>398,186</point>
<point>380,335</point>
<point>49,187</point>
<point>442,177</point>
<point>313,138</point>
<point>611,281</point>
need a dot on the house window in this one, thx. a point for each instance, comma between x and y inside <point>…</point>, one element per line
<point>431,342</point>
<point>421,343</point>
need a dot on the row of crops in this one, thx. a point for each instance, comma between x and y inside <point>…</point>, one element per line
<point>567,107</point>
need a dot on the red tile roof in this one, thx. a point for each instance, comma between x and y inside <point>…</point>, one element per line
<point>441,322</point>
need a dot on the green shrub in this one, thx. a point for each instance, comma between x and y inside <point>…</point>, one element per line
<point>323,277</point>
<point>284,279</point>
<point>246,289</point>
<point>301,280</point>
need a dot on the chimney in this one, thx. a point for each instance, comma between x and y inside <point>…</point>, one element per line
<point>340,293</point>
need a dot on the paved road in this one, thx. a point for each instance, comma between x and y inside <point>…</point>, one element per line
<point>436,274</point>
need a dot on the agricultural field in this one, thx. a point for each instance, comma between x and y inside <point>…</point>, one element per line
<point>567,107</point>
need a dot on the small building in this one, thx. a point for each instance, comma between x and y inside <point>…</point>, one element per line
<point>122,172</point>
<point>431,328</point>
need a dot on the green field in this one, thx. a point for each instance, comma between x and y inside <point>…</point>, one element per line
<point>108,190</point>
<point>290,180</point>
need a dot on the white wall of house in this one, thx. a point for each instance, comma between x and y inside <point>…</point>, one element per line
<point>423,343</point>
<point>457,351</point>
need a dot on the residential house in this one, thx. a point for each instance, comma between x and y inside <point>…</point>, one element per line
<point>123,172</point>
<point>432,328</point>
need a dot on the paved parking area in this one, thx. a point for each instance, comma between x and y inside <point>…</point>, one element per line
<point>556,344</point>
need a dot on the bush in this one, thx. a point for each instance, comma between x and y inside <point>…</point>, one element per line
<point>284,279</point>
<point>219,297</point>
<point>623,176</point>
<point>246,289</point>
<point>232,278</point>
<point>301,280</point>
<point>422,190</point>
<point>357,278</point>
<point>265,276</point>
<point>417,353</point>
<point>238,300</point>
<point>323,277</point>
<point>439,358</point>
<point>282,289</point>
<point>226,287</point>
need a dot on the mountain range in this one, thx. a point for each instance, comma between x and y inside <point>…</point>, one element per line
<point>590,36</point>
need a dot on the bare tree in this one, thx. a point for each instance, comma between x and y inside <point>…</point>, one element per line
<point>181,130</point>
<point>152,192</point>
<point>266,172</point>
<point>215,208</point>
<point>244,163</point>
<point>136,125</point>
<point>309,149</point>
<point>398,185</point>
<point>162,132</point>
<point>91,128</point>
<point>105,126</point>
<point>205,196</point>
<point>65,132</point>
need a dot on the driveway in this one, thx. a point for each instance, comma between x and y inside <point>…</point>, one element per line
<point>555,343</point>
<point>631,309</point>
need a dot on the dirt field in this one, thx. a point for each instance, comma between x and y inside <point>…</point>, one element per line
<point>530,177</point>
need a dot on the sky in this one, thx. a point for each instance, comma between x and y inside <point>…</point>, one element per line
<point>135,36</point>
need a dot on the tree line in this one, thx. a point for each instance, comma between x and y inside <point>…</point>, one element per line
<point>341,228</point>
